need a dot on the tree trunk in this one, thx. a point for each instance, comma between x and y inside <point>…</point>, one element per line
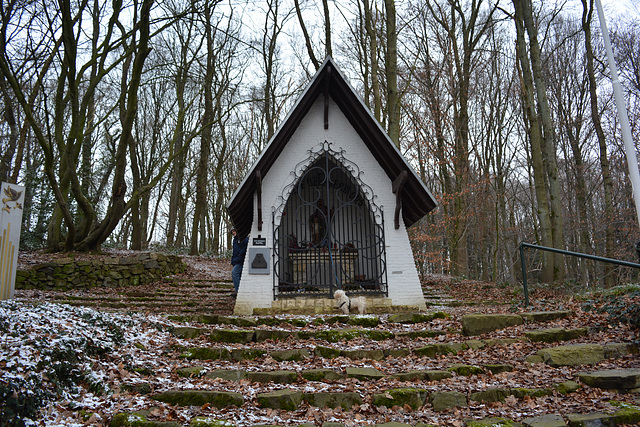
<point>117,207</point>
<point>12,140</point>
<point>535,139</point>
<point>550,161</point>
<point>327,28</point>
<point>373,58</point>
<point>177,173</point>
<point>587,14</point>
<point>305,34</point>
<point>393,98</point>
<point>205,137</point>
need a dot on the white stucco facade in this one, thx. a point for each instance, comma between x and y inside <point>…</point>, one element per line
<point>256,290</point>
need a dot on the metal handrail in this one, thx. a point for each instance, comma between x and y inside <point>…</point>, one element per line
<point>524,245</point>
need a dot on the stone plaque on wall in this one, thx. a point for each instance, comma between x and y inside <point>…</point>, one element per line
<point>259,261</point>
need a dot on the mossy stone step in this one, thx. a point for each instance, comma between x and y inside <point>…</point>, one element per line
<point>191,371</point>
<point>626,414</point>
<point>321,374</point>
<point>498,368</point>
<point>330,335</point>
<point>231,336</point>
<point>588,420</point>
<point>434,350</point>
<point>240,354</point>
<point>548,420</point>
<point>287,400</point>
<point>414,318</point>
<point>189,332</point>
<point>442,400</point>
<point>218,399</point>
<point>275,335</point>
<point>555,334</point>
<point>277,377</point>
<point>490,395</point>
<point>413,397</point>
<point>477,324</point>
<point>138,419</point>
<point>206,353</point>
<point>295,355</point>
<point>567,387</point>
<point>364,373</point>
<point>202,421</point>
<point>612,379</point>
<point>466,370</point>
<point>493,422</point>
<point>375,309</point>
<point>337,335</point>
<point>499,394</point>
<point>582,354</point>
<point>360,354</point>
<point>430,350</point>
<point>545,316</point>
<point>227,374</point>
<point>344,400</point>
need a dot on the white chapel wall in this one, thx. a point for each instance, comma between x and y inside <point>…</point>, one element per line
<point>256,291</point>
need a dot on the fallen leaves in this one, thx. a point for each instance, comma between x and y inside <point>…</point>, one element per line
<point>160,354</point>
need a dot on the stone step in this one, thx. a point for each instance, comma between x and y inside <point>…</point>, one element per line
<point>612,379</point>
<point>330,335</point>
<point>572,355</point>
<point>555,334</point>
<point>583,354</point>
<point>361,373</point>
<point>477,323</point>
<point>409,398</point>
<point>407,318</point>
<point>621,417</point>
<point>434,351</point>
<point>314,306</point>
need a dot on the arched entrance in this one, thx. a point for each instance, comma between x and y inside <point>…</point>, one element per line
<point>328,232</point>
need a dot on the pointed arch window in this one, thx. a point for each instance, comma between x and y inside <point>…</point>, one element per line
<point>328,230</point>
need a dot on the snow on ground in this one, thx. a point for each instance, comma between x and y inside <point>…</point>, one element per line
<point>46,350</point>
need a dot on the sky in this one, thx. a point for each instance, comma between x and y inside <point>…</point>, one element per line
<point>615,8</point>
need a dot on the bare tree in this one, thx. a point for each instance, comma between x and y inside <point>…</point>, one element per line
<point>62,131</point>
<point>587,15</point>
<point>548,132</point>
<point>391,67</point>
<point>460,31</point>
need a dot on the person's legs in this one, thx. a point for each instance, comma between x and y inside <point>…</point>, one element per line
<point>236,273</point>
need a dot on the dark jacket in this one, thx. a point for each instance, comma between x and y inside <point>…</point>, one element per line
<point>239,250</point>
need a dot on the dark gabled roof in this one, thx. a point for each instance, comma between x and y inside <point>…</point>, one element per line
<point>416,199</point>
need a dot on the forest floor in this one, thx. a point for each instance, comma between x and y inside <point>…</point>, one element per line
<point>82,357</point>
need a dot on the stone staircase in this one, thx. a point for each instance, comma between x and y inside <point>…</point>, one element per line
<point>175,295</point>
<point>303,364</point>
<point>528,369</point>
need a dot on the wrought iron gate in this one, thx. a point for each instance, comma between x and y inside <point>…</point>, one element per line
<point>328,232</point>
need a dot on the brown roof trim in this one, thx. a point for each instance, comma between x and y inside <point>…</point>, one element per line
<point>416,199</point>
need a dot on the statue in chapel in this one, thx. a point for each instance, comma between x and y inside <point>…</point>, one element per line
<point>318,224</point>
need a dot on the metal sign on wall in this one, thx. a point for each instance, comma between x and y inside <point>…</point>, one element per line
<point>10,224</point>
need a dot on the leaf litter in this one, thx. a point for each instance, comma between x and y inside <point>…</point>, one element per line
<point>80,366</point>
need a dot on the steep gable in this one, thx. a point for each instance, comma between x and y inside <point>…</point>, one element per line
<point>329,81</point>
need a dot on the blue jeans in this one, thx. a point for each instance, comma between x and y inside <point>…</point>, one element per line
<point>236,274</point>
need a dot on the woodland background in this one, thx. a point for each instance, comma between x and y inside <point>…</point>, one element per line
<point>132,122</point>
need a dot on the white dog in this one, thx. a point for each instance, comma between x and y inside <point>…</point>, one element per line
<point>346,304</point>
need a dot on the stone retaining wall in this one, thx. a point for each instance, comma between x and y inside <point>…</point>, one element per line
<point>115,271</point>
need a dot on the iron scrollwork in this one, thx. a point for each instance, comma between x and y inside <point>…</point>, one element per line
<point>328,230</point>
